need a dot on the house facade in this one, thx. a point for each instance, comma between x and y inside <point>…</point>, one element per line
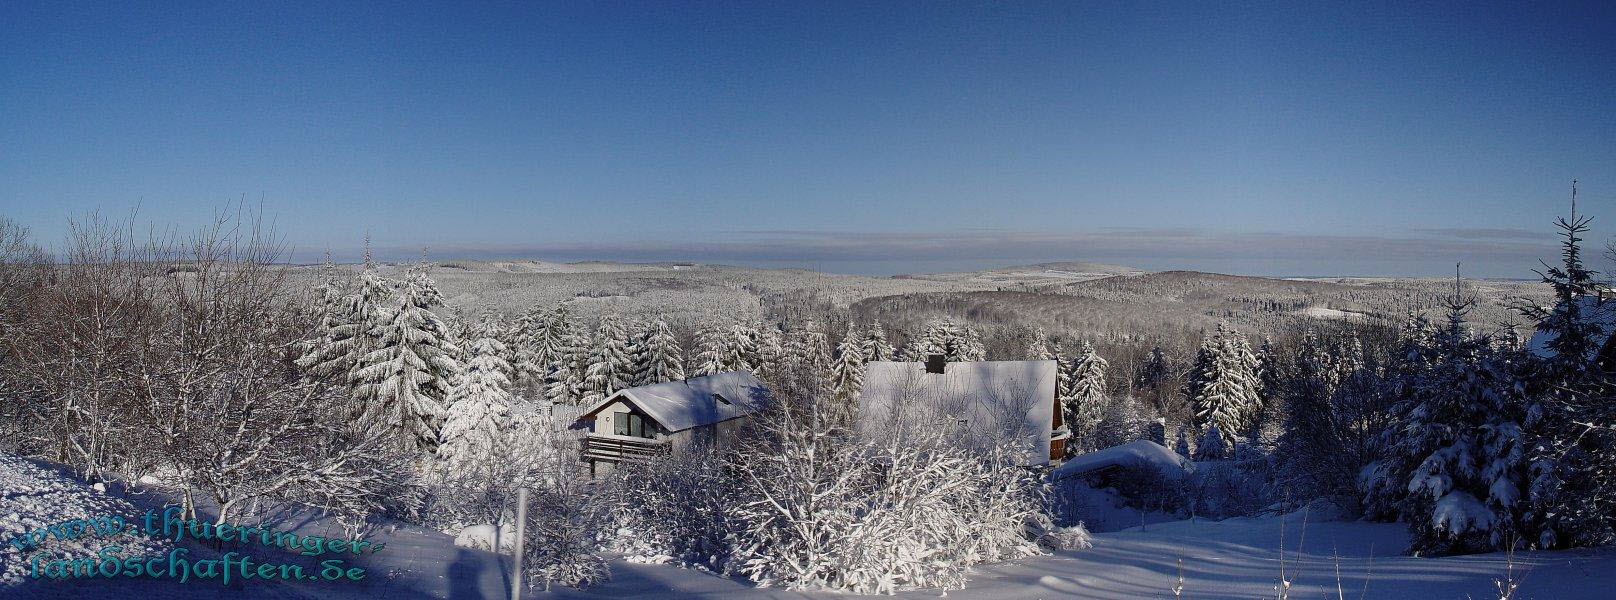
<point>990,402</point>
<point>659,419</point>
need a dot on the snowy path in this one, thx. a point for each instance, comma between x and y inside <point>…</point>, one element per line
<point>1237,558</point>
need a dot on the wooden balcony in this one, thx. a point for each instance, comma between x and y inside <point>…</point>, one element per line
<point>620,448</point>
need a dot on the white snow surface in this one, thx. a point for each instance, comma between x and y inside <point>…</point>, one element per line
<point>1011,397</point>
<point>680,405</point>
<point>1135,454</point>
<point>485,537</point>
<point>32,497</point>
<point>1235,558</point>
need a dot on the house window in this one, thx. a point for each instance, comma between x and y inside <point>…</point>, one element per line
<point>629,424</point>
<point>721,399</point>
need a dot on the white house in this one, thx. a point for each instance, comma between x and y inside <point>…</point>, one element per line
<point>657,419</point>
<point>993,400</point>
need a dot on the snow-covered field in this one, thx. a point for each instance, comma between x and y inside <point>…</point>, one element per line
<point>1235,558</point>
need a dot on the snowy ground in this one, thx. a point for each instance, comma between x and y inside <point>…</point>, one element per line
<point>1236,558</point>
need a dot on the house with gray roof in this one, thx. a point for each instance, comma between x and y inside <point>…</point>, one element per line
<point>657,419</point>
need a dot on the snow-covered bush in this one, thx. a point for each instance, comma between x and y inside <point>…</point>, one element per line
<point>673,509</point>
<point>820,508</point>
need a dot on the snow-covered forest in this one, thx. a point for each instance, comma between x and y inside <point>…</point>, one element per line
<point>206,369</point>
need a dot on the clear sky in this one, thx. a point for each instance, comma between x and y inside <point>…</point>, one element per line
<point>874,137</point>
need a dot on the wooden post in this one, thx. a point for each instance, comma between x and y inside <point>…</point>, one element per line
<point>521,535</point>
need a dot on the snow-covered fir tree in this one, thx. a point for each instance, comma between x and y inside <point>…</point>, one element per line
<point>345,335</point>
<point>739,348</point>
<point>1309,450</point>
<point>1571,417</point>
<point>1223,384</point>
<point>1456,414</point>
<point>568,351</point>
<point>769,350</point>
<point>955,342</point>
<point>610,366</point>
<point>404,380</point>
<point>876,346</point>
<point>847,373</point>
<point>1039,347</point>
<point>530,344</point>
<point>1087,401</point>
<point>1214,445</point>
<point>660,357</point>
<point>808,349</point>
<point>709,358</point>
<point>478,405</point>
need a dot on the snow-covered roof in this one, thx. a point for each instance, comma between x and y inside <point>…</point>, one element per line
<point>1601,312</point>
<point>995,399</point>
<point>1135,454</point>
<point>680,405</point>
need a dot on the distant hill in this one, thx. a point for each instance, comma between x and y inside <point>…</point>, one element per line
<point>1032,277</point>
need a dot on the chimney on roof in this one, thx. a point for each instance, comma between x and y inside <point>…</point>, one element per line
<point>935,363</point>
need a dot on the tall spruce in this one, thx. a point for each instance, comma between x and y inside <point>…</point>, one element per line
<point>661,358</point>
<point>404,380</point>
<point>876,346</point>
<point>610,368</point>
<point>1087,398</point>
<point>479,405</point>
<point>1222,384</point>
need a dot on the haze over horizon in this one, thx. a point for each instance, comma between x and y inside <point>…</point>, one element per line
<point>1273,139</point>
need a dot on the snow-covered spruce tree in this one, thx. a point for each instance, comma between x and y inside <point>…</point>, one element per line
<point>404,380</point>
<point>769,349</point>
<point>1380,481</point>
<point>478,406</point>
<point>530,344</point>
<point>345,333</point>
<point>709,358</point>
<point>1272,373</point>
<point>808,349</point>
<point>914,346</point>
<point>1213,445</point>
<point>847,373</point>
<point>1309,452</point>
<point>1087,398</point>
<point>1222,384</point>
<point>569,360</point>
<point>1452,418</point>
<point>610,366</point>
<point>876,346</point>
<point>955,342</point>
<point>739,348</point>
<point>1151,377</point>
<point>1039,347</point>
<point>660,357</point>
<point>1571,418</point>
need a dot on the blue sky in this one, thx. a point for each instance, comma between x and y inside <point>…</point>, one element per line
<point>885,137</point>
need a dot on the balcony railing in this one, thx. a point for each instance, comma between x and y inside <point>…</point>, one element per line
<point>618,448</point>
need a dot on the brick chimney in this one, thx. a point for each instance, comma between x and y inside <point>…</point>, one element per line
<point>935,363</point>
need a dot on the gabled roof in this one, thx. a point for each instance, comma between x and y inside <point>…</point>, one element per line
<point>680,405</point>
<point>1135,454</point>
<point>1601,312</point>
<point>995,399</point>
